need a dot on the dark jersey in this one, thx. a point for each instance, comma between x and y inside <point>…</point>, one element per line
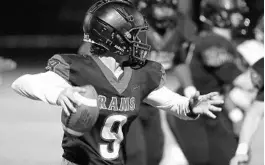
<point>257,77</point>
<point>118,101</point>
<point>213,63</point>
<point>167,47</point>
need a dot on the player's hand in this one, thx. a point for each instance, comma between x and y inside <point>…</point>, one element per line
<point>67,100</point>
<point>239,160</point>
<point>205,104</point>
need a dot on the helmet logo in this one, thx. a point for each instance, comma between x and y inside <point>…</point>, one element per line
<point>125,14</point>
<point>119,48</point>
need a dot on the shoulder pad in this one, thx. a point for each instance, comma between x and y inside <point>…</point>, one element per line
<point>60,64</point>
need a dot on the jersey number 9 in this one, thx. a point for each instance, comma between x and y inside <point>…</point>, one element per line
<point>114,137</point>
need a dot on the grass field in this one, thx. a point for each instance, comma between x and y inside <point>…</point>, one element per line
<point>30,131</point>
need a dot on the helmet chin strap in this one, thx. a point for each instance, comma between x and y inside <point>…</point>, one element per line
<point>133,63</point>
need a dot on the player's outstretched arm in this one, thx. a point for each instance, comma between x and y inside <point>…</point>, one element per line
<point>183,107</point>
<point>49,87</point>
<point>43,86</point>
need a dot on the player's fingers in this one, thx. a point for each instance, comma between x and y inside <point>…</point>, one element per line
<point>216,102</point>
<point>69,104</point>
<point>72,97</point>
<point>212,94</point>
<point>65,109</point>
<point>214,108</point>
<point>210,114</point>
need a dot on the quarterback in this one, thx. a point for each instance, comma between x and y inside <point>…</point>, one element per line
<point>117,68</point>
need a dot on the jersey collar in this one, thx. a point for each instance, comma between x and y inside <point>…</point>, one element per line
<point>121,83</point>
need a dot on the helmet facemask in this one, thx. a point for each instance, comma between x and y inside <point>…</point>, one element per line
<point>139,49</point>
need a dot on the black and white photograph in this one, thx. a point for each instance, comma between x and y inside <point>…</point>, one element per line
<point>132,82</point>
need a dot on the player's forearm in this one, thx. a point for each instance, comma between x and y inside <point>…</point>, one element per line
<point>178,106</point>
<point>44,86</point>
<point>249,127</point>
<point>170,102</point>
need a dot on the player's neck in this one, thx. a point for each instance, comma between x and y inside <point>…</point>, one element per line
<point>113,65</point>
<point>226,33</point>
<point>110,62</point>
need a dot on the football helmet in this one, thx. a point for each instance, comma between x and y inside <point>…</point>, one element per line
<point>223,13</point>
<point>114,26</point>
<point>160,14</point>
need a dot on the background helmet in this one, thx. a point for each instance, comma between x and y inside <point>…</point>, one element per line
<point>113,26</point>
<point>160,14</point>
<point>224,13</point>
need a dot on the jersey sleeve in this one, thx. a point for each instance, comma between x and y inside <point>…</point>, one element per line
<point>162,75</point>
<point>60,65</point>
<point>155,77</point>
<point>221,63</point>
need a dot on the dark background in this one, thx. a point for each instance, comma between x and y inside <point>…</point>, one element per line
<point>65,16</point>
<point>37,29</point>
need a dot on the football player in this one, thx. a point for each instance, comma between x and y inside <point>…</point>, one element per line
<point>253,116</point>
<point>169,34</point>
<point>215,63</point>
<point>118,69</point>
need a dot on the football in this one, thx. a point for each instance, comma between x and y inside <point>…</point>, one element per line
<point>86,114</point>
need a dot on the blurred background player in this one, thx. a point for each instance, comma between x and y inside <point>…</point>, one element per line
<point>253,118</point>
<point>252,131</point>
<point>256,42</point>
<point>6,64</point>
<point>215,65</point>
<point>170,33</point>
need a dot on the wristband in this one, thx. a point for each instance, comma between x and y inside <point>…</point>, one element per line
<point>190,113</point>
